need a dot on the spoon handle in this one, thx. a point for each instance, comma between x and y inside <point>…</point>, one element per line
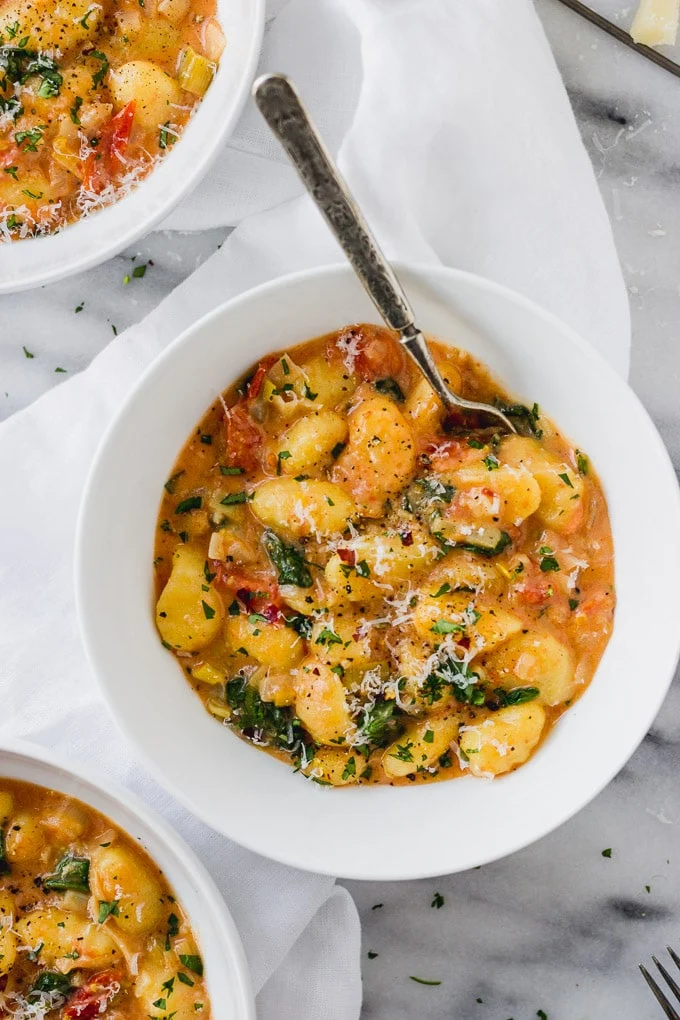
<point>282,108</point>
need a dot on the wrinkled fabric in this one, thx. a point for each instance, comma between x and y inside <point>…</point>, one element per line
<point>452,126</point>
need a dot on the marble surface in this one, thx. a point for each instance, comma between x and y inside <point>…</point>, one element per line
<point>556,928</point>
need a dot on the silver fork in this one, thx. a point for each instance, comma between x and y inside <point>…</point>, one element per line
<point>668,1008</point>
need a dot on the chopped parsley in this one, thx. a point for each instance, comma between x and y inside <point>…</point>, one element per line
<point>98,76</point>
<point>607,852</point>
<point>208,611</point>
<point>423,981</point>
<point>328,637</point>
<point>566,479</point>
<point>492,463</point>
<point>548,562</point>
<point>438,901</point>
<point>225,470</point>
<point>581,462</point>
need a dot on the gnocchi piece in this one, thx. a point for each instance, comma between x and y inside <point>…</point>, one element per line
<point>307,446</point>
<point>340,640</point>
<point>25,838</point>
<point>535,660</point>
<point>515,493</point>
<point>153,92</point>
<point>69,821</point>
<point>309,507</point>
<point>52,24</point>
<point>321,704</point>
<point>561,506</point>
<point>187,616</point>
<point>329,379</point>
<point>6,806</point>
<point>272,644</point>
<point>159,971</point>
<point>458,615</point>
<point>423,742</point>
<point>275,686</point>
<point>338,766</point>
<point>118,874</point>
<point>8,939</point>
<point>67,940</point>
<point>380,456</point>
<point>502,741</point>
<point>379,561</point>
<point>423,408</point>
<point>462,569</point>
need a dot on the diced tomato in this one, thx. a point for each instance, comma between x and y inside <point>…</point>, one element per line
<point>106,159</point>
<point>255,385</point>
<point>244,438</point>
<point>258,592</point>
<point>8,156</point>
<point>348,556</point>
<point>533,587</point>
<point>447,456</point>
<point>378,354</point>
<point>93,998</point>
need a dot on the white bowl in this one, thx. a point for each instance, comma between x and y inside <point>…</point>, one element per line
<point>226,969</point>
<point>36,261</point>
<point>379,832</point>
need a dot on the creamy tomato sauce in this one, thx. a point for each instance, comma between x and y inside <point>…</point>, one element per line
<point>92,94</point>
<point>372,588</point>
<point>89,926</point>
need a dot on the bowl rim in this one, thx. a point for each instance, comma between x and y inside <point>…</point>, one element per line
<point>648,711</point>
<point>148,818</point>
<point>113,238</point>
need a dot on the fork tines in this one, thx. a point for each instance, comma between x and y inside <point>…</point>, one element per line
<point>668,1008</point>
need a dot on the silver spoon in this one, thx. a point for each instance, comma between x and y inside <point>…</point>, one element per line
<point>281,107</point>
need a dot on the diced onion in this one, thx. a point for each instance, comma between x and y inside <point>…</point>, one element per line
<point>212,38</point>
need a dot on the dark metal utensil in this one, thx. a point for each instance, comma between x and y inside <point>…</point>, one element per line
<point>282,108</point>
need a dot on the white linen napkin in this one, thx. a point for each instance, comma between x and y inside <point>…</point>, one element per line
<point>454,130</point>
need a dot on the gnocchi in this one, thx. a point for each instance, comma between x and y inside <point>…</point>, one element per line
<point>87,917</point>
<point>93,96</point>
<point>398,596</point>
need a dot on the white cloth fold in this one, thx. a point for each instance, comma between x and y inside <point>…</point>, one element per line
<point>453,128</point>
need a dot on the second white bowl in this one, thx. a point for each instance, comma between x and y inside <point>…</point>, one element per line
<point>226,969</point>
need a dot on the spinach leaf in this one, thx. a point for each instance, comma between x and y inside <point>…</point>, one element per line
<point>517,696</point>
<point>390,388</point>
<point>288,561</point>
<point>456,675</point>
<point>525,419</point>
<point>300,623</point>
<point>377,720</point>
<point>49,981</point>
<point>262,719</point>
<point>70,873</point>
<point>484,550</point>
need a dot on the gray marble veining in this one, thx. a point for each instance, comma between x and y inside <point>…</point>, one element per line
<point>556,927</point>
